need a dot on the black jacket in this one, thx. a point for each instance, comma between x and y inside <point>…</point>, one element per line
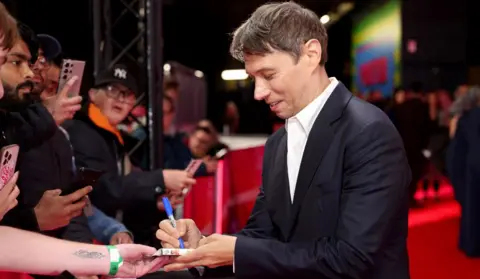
<point>47,167</point>
<point>28,127</point>
<point>135,194</point>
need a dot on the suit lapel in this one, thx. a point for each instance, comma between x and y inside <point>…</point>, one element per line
<point>280,188</point>
<point>318,142</point>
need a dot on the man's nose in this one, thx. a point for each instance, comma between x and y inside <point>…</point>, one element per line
<point>260,92</point>
<point>28,73</point>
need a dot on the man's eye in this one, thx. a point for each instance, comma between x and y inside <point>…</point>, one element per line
<point>269,77</point>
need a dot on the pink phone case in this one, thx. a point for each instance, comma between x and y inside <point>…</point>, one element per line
<point>193,166</point>
<point>71,68</point>
<point>9,155</point>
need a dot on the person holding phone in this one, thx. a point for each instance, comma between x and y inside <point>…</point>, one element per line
<point>25,121</point>
<point>99,144</point>
<point>31,255</point>
<point>8,196</point>
<point>45,173</point>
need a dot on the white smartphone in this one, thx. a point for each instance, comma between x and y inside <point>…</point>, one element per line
<point>171,252</point>
<point>69,69</point>
<point>8,157</point>
<point>221,153</point>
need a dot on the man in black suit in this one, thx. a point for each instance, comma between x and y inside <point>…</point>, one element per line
<point>334,200</point>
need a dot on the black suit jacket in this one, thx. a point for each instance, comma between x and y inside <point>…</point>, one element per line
<point>349,217</point>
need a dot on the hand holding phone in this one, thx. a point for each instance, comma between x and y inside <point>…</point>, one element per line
<point>192,169</point>
<point>8,196</point>
<point>61,106</point>
<point>71,68</point>
<point>8,157</point>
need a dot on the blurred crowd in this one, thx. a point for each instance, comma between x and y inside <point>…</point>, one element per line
<point>440,131</point>
<point>79,178</point>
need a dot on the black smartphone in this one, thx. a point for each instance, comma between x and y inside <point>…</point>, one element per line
<point>84,177</point>
<point>88,176</point>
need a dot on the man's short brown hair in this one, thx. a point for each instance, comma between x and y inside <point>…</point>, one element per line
<point>283,26</point>
<point>8,28</point>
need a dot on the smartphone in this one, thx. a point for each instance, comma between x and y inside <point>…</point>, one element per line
<point>193,166</point>
<point>84,177</point>
<point>171,252</point>
<point>8,156</point>
<point>221,154</point>
<point>88,176</point>
<point>69,69</point>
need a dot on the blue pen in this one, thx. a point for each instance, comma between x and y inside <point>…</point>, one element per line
<point>169,210</point>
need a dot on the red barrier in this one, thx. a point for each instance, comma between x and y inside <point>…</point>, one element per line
<point>245,174</point>
<point>223,204</point>
<point>199,204</point>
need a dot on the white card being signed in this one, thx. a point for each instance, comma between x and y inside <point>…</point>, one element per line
<point>171,252</point>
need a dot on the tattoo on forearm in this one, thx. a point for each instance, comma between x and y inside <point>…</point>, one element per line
<point>85,254</point>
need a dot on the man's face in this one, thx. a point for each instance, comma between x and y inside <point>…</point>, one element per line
<point>172,93</point>
<point>115,101</point>
<point>280,81</point>
<point>16,70</point>
<point>199,143</point>
<point>3,57</point>
<point>40,69</point>
<point>52,75</point>
<point>168,114</point>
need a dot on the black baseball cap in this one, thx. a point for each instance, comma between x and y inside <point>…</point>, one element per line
<point>50,45</point>
<point>117,74</point>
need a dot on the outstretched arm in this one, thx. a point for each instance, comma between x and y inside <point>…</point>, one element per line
<point>23,251</point>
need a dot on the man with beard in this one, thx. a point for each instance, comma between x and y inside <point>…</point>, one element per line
<point>41,183</point>
<point>47,70</point>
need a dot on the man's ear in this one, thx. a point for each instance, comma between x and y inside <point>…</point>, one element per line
<point>92,93</point>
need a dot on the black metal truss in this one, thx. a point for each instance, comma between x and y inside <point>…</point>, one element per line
<point>130,32</point>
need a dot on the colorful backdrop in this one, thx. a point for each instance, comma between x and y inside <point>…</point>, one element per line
<point>376,49</point>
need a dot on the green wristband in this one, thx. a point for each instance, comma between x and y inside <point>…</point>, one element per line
<point>116,260</point>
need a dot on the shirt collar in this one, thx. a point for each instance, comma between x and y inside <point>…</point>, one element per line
<point>306,117</point>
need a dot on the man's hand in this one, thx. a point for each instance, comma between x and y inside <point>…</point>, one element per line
<point>176,180</point>
<point>186,229</point>
<point>54,211</point>
<point>138,260</point>
<point>8,196</point>
<point>121,238</point>
<point>213,251</point>
<point>61,106</point>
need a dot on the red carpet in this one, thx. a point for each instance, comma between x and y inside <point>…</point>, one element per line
<point>434,254</point>
<point>432,243</point>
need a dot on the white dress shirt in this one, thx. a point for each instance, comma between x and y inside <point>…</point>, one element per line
<point>298,128</point>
